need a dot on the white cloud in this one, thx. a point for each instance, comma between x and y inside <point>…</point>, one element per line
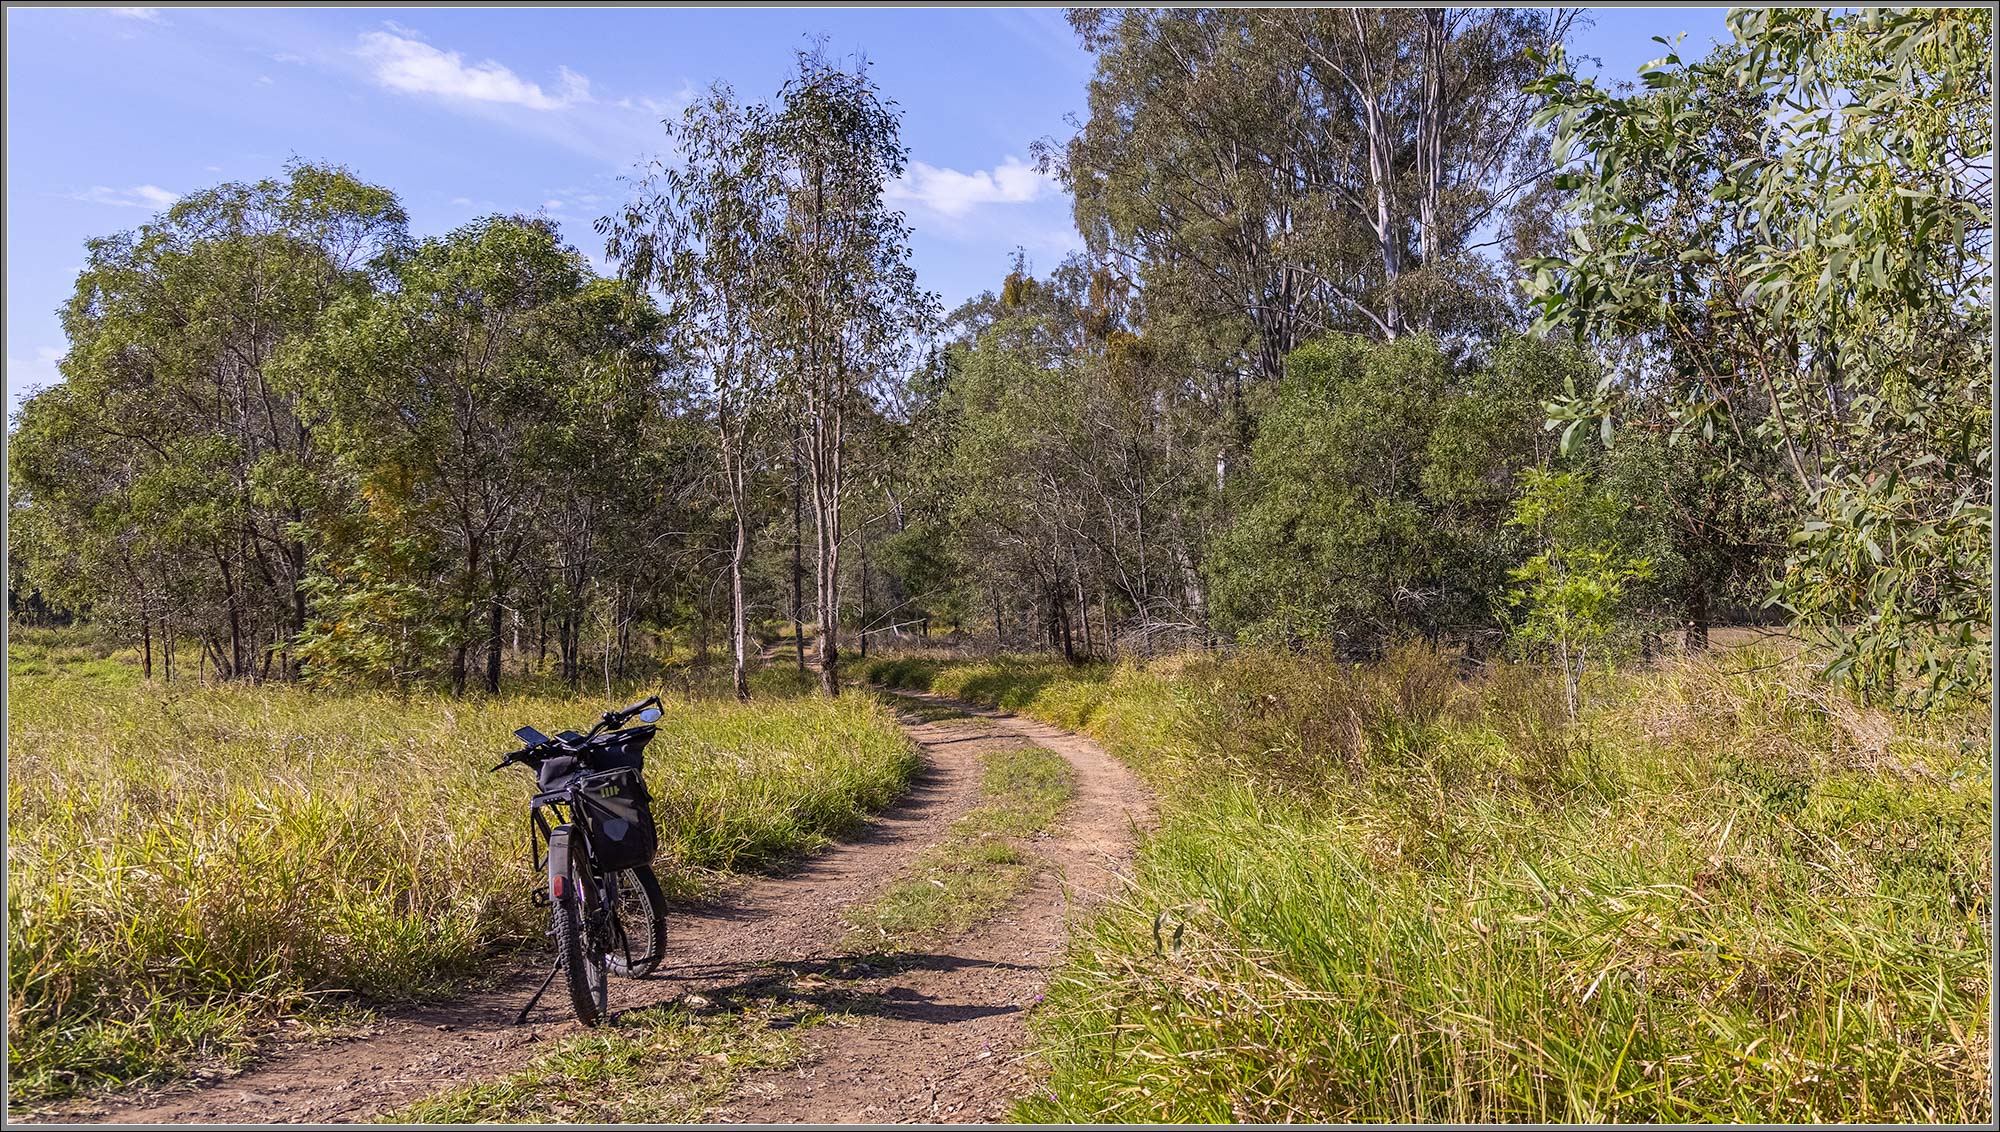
<point>263,80</point>
<point>138,196</point>
<point>288,57</point>
<point>673,104</point>
<point>150,15</point>
<point>573,194</point>
<point>952,193</point>
<point>403,62</point>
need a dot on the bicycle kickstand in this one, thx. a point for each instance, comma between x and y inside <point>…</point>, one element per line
<point>523,1016</point>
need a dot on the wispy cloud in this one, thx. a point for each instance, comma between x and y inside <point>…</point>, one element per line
<point>138,196</point>
<point>149,15</point>
<point>678,102</point>
<point>951,193</point>
<point>288,57</point>
<point>403,62</point>
<point>616,126</point>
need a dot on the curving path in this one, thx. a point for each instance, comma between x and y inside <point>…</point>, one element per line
<point>939,1040</point>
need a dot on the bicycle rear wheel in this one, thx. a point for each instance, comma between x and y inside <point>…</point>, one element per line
<point>641,923</point>
<point>582,962</point>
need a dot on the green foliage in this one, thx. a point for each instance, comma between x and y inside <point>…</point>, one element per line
<point>851,309</point>
<point>703,233</point>
<point>163,483</point>
<point>1379,484</point>
<point>1270,174</point>
<point>1825,331</point>
<point>1062,456</point>
<point>1572,592</point>
<point>493,394</point>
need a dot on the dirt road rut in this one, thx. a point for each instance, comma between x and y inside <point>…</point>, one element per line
<point>941,1042</point>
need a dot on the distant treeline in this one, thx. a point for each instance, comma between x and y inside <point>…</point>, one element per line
<point>1387,325</point>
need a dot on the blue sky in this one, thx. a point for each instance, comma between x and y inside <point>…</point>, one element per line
<point>112,112</point>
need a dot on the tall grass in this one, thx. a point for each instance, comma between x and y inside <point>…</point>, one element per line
<point>185,864</point>
<point>1389,892</point>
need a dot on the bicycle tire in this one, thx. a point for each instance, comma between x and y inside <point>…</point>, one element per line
<point>584,975</point>
<point>640,893</point>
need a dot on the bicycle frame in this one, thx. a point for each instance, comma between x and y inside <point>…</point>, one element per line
<point>553,851</point>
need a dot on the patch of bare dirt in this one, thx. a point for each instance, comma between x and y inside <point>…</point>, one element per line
<point>933,1036</point>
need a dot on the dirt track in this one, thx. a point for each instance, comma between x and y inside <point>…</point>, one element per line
<point>940,1040</point>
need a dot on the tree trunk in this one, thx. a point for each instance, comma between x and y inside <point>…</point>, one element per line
<point>739,643</point>
<point>1104,612</point>
<point>1083,613</point>
<point>1696,639</point>
<point>829,618</point>
<point>1061,611</point>
<point>826,523</point>
<point>495,625</point>
<point>298,554</point>
<point>798,562</point>
<point>1430,138</point>
<point>235,662</point>
<point>864,592</point>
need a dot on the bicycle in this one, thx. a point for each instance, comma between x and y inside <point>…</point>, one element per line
<point>606,912</point>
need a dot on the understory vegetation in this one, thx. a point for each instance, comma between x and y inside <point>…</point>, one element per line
<point>1392,891</point>
<point>186,864</point>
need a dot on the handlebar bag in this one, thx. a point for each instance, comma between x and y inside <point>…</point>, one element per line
<point>556,770</point>
<point>618,821</point>
<point>616,749</point>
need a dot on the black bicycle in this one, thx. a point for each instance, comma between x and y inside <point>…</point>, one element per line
<point>606,913</point>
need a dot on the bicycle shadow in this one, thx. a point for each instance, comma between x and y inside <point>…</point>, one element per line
<point>790,992</point>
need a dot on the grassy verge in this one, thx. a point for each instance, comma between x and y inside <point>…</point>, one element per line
<point>186,864</point>
<point>663,1065</point>
<point>981,864</point>
<point>1391,893</point>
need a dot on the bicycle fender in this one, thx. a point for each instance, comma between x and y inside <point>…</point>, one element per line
<point>558,861</point>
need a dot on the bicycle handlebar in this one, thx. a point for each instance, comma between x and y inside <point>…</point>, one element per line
<point>531,752</point>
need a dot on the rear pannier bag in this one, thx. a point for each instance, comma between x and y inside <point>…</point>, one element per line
<point>618,820</point>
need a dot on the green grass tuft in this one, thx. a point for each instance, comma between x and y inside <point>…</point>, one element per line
<point>663,1065</point>
<point>981,864</point>
<point>187,864</point>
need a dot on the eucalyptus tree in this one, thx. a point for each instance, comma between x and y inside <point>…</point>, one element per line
<point>494,377</point>
<point>1832,325</point>
<point>701,232</point>
<point>1294,172</point>
<point>849,306</point>
<point>173,444</point>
